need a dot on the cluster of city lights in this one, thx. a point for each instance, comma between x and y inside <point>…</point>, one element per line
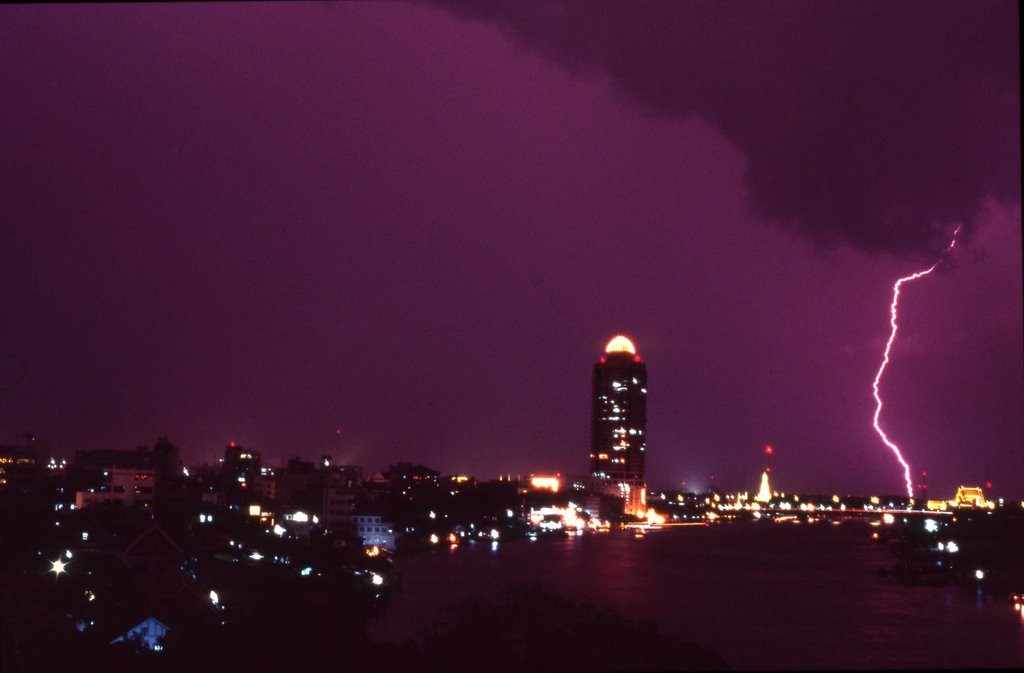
<point>457,536</point>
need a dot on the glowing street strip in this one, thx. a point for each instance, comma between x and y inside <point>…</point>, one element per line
<point>885,360</point>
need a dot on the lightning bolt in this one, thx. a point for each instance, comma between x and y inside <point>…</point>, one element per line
<point>885,359</point>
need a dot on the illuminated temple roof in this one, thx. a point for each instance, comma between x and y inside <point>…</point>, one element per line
<point>765,493</point>
<point>620,344</point>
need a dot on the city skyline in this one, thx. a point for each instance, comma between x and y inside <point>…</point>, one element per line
<point>419,222</point>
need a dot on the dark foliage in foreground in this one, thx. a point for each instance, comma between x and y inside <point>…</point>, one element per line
<point>530,628</point>
<point>527,628</point>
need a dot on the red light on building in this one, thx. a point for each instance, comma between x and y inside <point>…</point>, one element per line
<point>768,450</point>
<point>988,484</point>
<point>231,443</point>
<point>636,358</point>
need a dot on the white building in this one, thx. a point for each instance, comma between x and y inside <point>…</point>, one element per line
<point>127,486</point>
<point>374,531</point>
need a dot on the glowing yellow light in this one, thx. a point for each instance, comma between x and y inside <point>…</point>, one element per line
<point>620,344</point>
<point>551,483</point>
<point>971,496</point>
<point>254,510</point>
<point>654,518</point>
<point>373,551</point>
<point>835,498</point>
<point>57,567</point>
<point>888,518</point>
<point>433,538</point>
<point>764,494</point>
<point>874,500</point>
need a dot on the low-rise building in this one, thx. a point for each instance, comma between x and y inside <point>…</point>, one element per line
<point>374,530</point>
<point>338,508</point>
<point>130,487</point>
<point>19,466</point>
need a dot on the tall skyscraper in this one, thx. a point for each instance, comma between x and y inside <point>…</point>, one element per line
<point>618,438</point>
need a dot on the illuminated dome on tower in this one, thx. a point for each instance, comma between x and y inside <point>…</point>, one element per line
<point>620,344</point>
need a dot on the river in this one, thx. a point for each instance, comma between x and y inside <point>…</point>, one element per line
<point>764,596</point>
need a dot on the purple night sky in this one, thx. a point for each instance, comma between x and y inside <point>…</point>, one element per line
<point>422,222</point>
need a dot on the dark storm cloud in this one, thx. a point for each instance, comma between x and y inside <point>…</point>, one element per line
<point>877,124</point>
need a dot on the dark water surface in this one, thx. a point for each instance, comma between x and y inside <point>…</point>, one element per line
<point>764,596</point>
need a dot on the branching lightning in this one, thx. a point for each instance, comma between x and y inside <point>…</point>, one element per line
<point>885,359</point>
